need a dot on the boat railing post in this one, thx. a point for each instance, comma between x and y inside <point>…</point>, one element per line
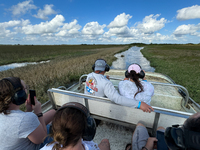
<point>80,80</point>
<point>155,124</point>
<point>52,99</point>
<point>86,103</point>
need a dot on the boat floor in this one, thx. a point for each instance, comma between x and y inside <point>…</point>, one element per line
<point>118,136</point>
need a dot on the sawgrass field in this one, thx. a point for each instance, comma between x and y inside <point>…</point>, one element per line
<point>69,62</point>
<point>179,62</point>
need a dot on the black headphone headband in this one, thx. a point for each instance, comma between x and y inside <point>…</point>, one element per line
<point>182,138</point>
<point>141,74</point>
<point>76,105</point>
<point>20,95</point>
<point>90,130</point>
<point>107,67</point>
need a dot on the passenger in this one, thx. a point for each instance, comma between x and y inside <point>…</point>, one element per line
<point>20,130</point>
<point>74,128</point>
<point>99,85</point>
<point>142,141</point>
<point>185,137</point>
<point>132,87</point>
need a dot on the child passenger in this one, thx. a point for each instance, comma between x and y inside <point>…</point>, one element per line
<point>71,127</point>
<point>132,87</point>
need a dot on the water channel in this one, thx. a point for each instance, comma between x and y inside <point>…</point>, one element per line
<point>16,65</point>
<point>132,55</point>
<point>124,59</point>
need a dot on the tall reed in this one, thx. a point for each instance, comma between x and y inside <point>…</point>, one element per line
<point>62,70</point>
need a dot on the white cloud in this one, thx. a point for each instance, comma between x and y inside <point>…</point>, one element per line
<point>118,27</point>
<point>192,12</point>
<point>6,27</point>
<point>92,31</point>
<point>23,7</point>
<point>93,28</point>
<point>120,21</point>
<point>69,29</point>
<point>120,32</point>
<point>42,14</point>
<point>10,23</point>
<point>150,24</point>
<point>187,29</point>
<point>45,27</point>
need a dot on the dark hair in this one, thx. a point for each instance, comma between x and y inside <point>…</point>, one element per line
<point>6,93</point>
<point>68,126</point>
<point>135,78</point>
<point>193,123</point>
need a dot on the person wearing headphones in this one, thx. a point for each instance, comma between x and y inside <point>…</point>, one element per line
<point>74,129</point>
<point>99,85</point>
<point>21,130</point>
<point>186,136</point>
<point>132,87</point>
<point>177,137</point>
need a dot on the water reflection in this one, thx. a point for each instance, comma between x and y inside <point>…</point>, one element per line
<point>132,55</point>
<point>15,65</point>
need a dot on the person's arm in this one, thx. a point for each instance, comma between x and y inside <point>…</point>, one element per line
<point>113,95</point>
<point>39,134</point>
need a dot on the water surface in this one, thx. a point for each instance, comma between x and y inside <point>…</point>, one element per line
<point>16,65</point>
<point>132,55</point>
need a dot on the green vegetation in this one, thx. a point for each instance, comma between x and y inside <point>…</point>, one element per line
<point>35,53</point>
<point>67,63</point>
<point>180,62</point>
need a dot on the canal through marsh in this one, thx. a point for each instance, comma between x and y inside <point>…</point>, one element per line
<point>124,59</point>
<point>132,55</point>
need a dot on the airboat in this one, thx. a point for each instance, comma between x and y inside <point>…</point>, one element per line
<point>171,102</point>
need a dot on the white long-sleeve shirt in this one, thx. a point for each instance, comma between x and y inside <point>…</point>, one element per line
<point>99,85</point>
<point>128,89</point>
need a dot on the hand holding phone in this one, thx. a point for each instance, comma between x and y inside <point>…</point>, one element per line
<point>32,95</point>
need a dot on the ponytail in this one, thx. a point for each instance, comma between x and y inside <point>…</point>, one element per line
<point>135,78</point>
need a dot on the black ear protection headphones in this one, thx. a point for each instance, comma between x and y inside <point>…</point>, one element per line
<point>90,129</point>
<point>126,74</point>
<point>107,67</point>
<point>20,95</point>
<point>141,74</point>
<point>178,138</point>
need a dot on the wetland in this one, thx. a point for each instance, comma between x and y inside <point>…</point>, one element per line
<point>69,62</point>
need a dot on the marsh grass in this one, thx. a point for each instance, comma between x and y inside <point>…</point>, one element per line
<point>36,53</point>
<point>62,70</point>
<point>180,62</point>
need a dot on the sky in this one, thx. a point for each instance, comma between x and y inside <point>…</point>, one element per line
<point>54,22</point>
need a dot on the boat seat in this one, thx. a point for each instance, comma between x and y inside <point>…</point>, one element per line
<point>166,97</point>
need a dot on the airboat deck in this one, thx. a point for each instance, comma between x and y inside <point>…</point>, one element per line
<point>171,103</point>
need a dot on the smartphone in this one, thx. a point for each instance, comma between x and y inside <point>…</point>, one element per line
<point>161,145</point>
<point>32,94</point>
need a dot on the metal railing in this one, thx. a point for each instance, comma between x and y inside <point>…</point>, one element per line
<point>186,97</point>
<point>106,100</point>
